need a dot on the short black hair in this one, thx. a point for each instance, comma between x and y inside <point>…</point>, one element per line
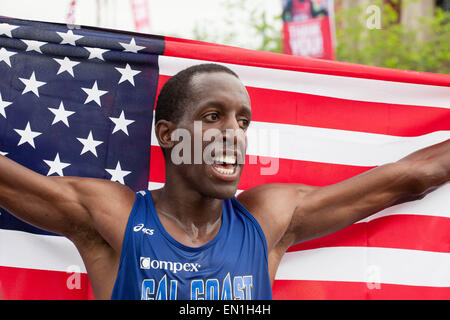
<point>177,91</point>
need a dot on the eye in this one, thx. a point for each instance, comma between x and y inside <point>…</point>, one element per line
<point>244,123</point>
<point>211,116</point>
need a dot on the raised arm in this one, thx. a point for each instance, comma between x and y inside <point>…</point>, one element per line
<point>70,206</point>
<point>291,213</point>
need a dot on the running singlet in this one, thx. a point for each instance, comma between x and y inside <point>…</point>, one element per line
<point>154,266</point>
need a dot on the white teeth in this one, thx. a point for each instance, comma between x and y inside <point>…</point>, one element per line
<point>225,159</point>
<point>224,171</point>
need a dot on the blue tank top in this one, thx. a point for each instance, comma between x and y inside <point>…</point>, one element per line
<point>155,266</point>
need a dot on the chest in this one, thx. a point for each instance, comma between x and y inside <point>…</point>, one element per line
<point>228,267</point>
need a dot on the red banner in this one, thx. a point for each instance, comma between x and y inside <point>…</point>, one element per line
<point>71,13</point>
<point>141,15</point>
<point>307,29</point>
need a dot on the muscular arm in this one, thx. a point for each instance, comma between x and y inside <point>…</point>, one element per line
<point>297,213</point>
<point>69,206</point>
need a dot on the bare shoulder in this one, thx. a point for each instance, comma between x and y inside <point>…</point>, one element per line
<point>273,206</point>
<point>107,205</point>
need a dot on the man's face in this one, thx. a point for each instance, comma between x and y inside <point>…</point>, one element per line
<point>216,122</point>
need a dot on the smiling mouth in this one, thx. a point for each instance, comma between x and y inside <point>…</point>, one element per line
<point>225,165</point>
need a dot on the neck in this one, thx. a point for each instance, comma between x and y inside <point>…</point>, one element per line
<point>187,215</point>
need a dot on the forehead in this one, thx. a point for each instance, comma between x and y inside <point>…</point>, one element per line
<point>219,86</point>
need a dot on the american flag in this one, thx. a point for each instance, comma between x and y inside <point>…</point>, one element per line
<point>91,115</point>
<point>72,103</point>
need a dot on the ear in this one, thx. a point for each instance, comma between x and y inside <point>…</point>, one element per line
<point>163,132</point>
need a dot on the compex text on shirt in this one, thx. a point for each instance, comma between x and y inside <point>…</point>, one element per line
<point>148,263</point>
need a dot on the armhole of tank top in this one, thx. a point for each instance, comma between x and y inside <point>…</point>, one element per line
<point>255,222</point>
<point>125,244</point>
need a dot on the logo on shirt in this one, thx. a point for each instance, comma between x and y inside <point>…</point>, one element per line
<point>140,227</point>
<point>148,263</point>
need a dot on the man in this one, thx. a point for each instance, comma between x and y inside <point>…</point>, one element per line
<point>192,239</point>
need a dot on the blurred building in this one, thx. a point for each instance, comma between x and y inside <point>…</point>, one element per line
<point>423,8</point>
<point>409,11</point>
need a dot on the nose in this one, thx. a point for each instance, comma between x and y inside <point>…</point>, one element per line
<point>229,129</point>
<point>231,123</point>
<point>233,136</point>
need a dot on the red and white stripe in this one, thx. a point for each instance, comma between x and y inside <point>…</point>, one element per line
<point>330,127</point>
<point>41,267</point>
